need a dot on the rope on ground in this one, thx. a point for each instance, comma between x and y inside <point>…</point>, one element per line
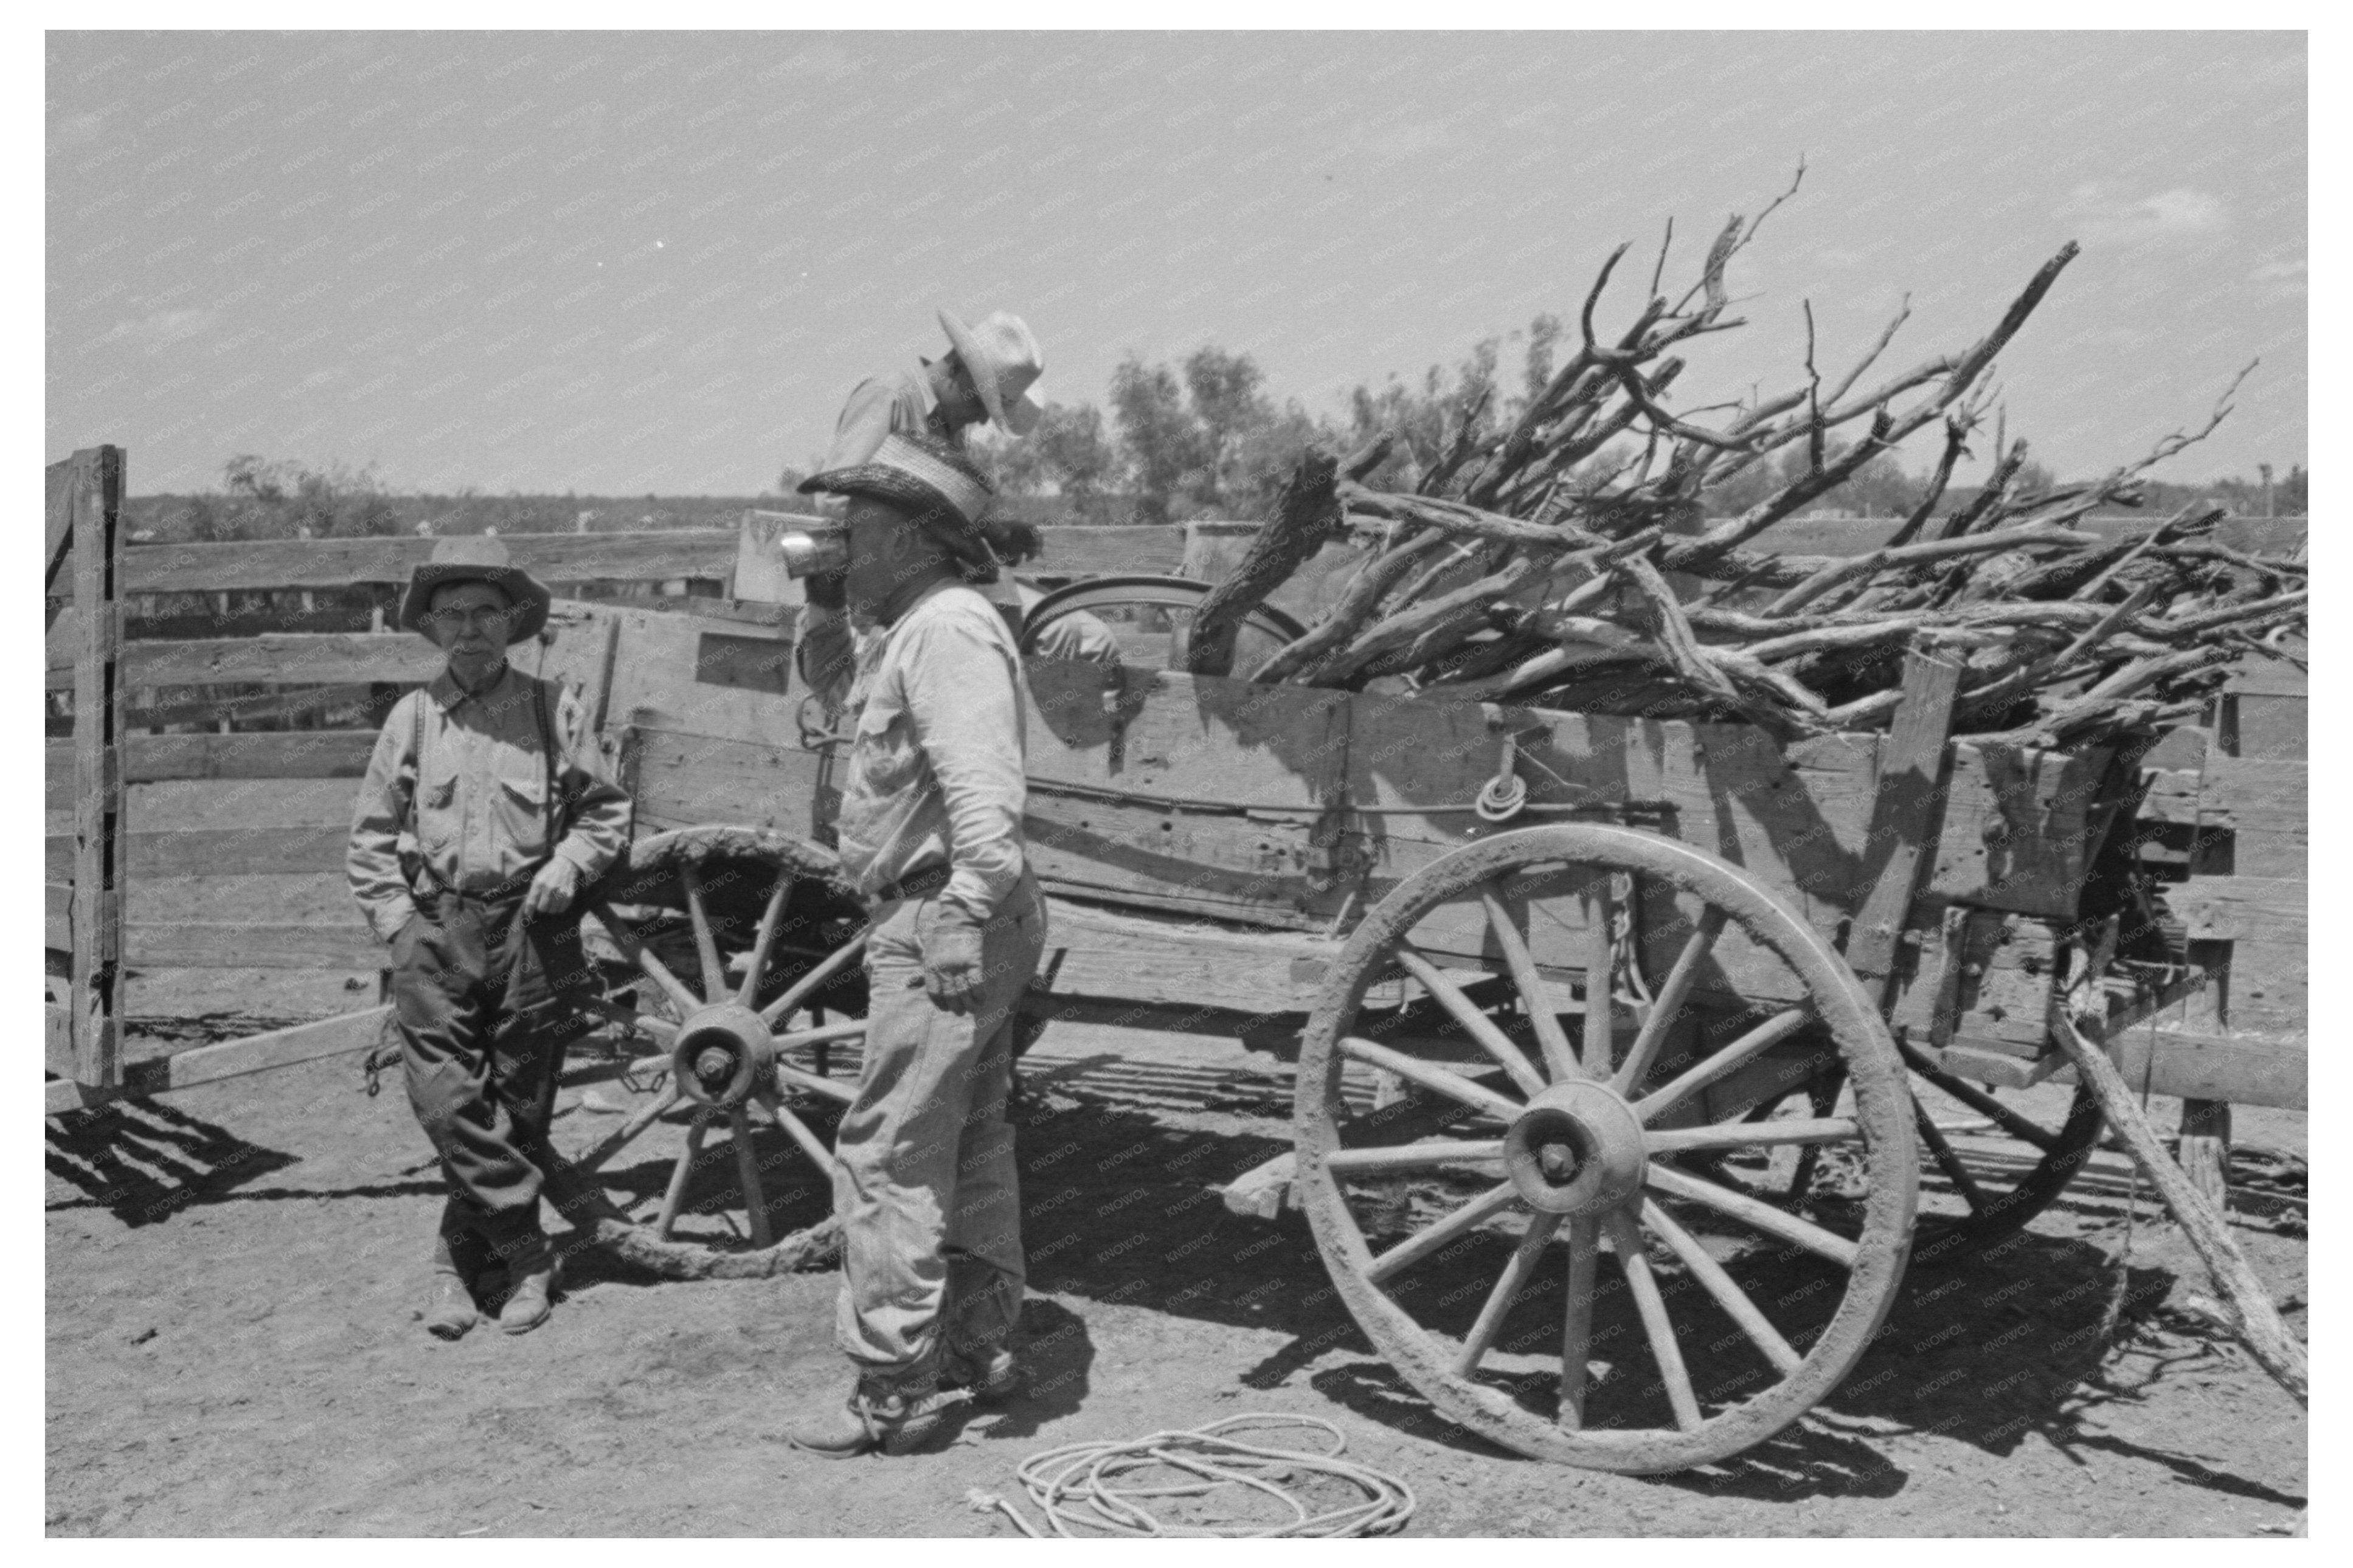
<point>1079,1484</point>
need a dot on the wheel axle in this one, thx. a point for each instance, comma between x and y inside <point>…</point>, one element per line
<point>722,1054</point>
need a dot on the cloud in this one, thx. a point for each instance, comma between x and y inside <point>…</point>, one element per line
<point>2282,279</point>
<point>162,329</point>
<point>2181,213</point>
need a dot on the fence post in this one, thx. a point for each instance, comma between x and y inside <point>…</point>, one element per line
<point>100,875</point>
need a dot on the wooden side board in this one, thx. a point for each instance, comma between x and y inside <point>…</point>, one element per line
<point>283,754</point>
<point>217,852</point>
<point>341,1036</point>
<point>275,658</point>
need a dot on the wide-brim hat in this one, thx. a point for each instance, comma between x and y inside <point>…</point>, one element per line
<point>933,482</point>
<point>1003,358</point>
<point>476,558</point>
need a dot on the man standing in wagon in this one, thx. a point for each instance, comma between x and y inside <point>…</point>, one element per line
<point>929,832</point>
<point>483,815</point>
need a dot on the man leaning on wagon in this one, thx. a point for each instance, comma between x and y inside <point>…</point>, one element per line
<point>483,815</point>
<point>930,833</point>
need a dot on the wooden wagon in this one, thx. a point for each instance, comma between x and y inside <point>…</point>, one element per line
<point>1559,986</point>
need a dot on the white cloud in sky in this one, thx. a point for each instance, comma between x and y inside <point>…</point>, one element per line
<point>2181,213</point>
<point>162,329</point>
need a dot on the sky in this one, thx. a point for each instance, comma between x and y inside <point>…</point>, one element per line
<point>619,263</point>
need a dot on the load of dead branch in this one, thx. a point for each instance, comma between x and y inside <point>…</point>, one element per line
<point>1571,561</point>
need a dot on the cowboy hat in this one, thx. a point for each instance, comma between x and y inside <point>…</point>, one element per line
<point>1002,358</point>
<point>940,489</point>
<point>473,558</point>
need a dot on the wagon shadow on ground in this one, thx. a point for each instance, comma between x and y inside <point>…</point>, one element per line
<point>145,1161</point>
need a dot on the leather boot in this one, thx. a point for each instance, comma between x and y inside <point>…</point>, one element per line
<point>986,1377</point>
<point>896,1413</point>
<point>450,1309</point>
<point>531,1269</point>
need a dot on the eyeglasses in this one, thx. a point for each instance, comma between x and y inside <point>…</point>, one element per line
<point>461,620</point>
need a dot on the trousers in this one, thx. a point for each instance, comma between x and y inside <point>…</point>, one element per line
<point>925,1184</point>
<point>481,998</point>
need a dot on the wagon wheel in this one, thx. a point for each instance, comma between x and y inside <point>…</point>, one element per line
<point>779,905</point>
<point>1743,1313</point>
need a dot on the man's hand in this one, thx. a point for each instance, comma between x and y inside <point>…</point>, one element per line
<point>553,889</point>
<point>827,589</point>
<point>952,972</point>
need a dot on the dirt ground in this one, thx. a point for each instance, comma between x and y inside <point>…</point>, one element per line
<point>233,1277</point>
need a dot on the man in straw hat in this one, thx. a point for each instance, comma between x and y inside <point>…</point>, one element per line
<point>985,375</point>
<point>929,832</point>
<point>483,815</point>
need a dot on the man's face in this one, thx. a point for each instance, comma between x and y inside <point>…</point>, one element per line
<point>959,397</point>
<point>469,621</point>
<point>886,548</point>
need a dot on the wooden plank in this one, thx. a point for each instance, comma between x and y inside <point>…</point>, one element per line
<point>2269,910</point>
<point>1144,961</point>
<point>57,1039</point>
<point>1222,863</point>
<point>2241,1069</point>
<point>652,663</point>
<point>339,1035</point>
<point>753,662</point>
<point>1082,551</point>
<point>2269,724</point>
<point>57,916</point>
<point>280,754</point>
<point>99,869</point>
<point>686,780</point>
<point>1903,823</point>
<point>194,944</point>
<point>218,852</point>
<point>760,572</point>
<point>343,704</point>
<point>698,552</point>
<point>57,487</point>
<point>1180,738</point>
<point>2016,832</point>
<point>281,658</point>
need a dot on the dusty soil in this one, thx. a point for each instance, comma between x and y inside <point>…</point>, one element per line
<point>232,1346</point>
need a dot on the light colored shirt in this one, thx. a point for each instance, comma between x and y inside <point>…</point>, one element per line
<point>479,794</point>
<point>935,772</point>
<point>902,401</point>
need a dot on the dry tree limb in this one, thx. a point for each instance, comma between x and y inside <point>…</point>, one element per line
<point>1306,515</point>
<point>1356,602</point>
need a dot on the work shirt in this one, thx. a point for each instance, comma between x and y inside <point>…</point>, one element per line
<point>902,401</point>
<point>935,774</point>
<point>482,813</point>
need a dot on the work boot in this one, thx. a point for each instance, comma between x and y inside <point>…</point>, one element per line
<point>896,1415</point>
<point>986,1377</point>
<point>450,1309</point>
<point>531,1269</point>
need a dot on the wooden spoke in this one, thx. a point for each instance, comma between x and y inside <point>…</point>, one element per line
<point>1506,1291</point>
<point>842,957</point>
<point>824,1033</point>
<point>1755,1211</point>
<point>1627,1237</point>
<point>715,974</point>
<point>1978,1101</point>
<point>1670,1002</point>
<point>1762,1038</point>
<point>661,1031</point>
<point>678,1174</point>
<point>791,1077</point>
<point>645,1116</point>
<point>1559,1055</point>
<point>1577,1328</point>
<point>1600,971</point>
<point>800,1132</point>
<point>1467,1013</point>
<point>747,1171</point>
<point>1431,1077</point>
<point>1722,1286</point>
<point>1415,1156</point>
<point>625,937</point>
<point>1743,1135</point>
<point>1947,1161</point>
<point>766,941</point>
<point>1416,1248</point>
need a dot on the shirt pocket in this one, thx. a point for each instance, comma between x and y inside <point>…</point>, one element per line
<point>519,804</point>
<point>436,806</point>
<point>884,758</point>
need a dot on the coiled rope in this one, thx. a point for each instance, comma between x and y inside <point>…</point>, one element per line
<point>1087,1485</point>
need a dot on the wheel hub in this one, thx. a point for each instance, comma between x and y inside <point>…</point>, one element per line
<point>722,1054</point>
<point>1576,1148</point>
